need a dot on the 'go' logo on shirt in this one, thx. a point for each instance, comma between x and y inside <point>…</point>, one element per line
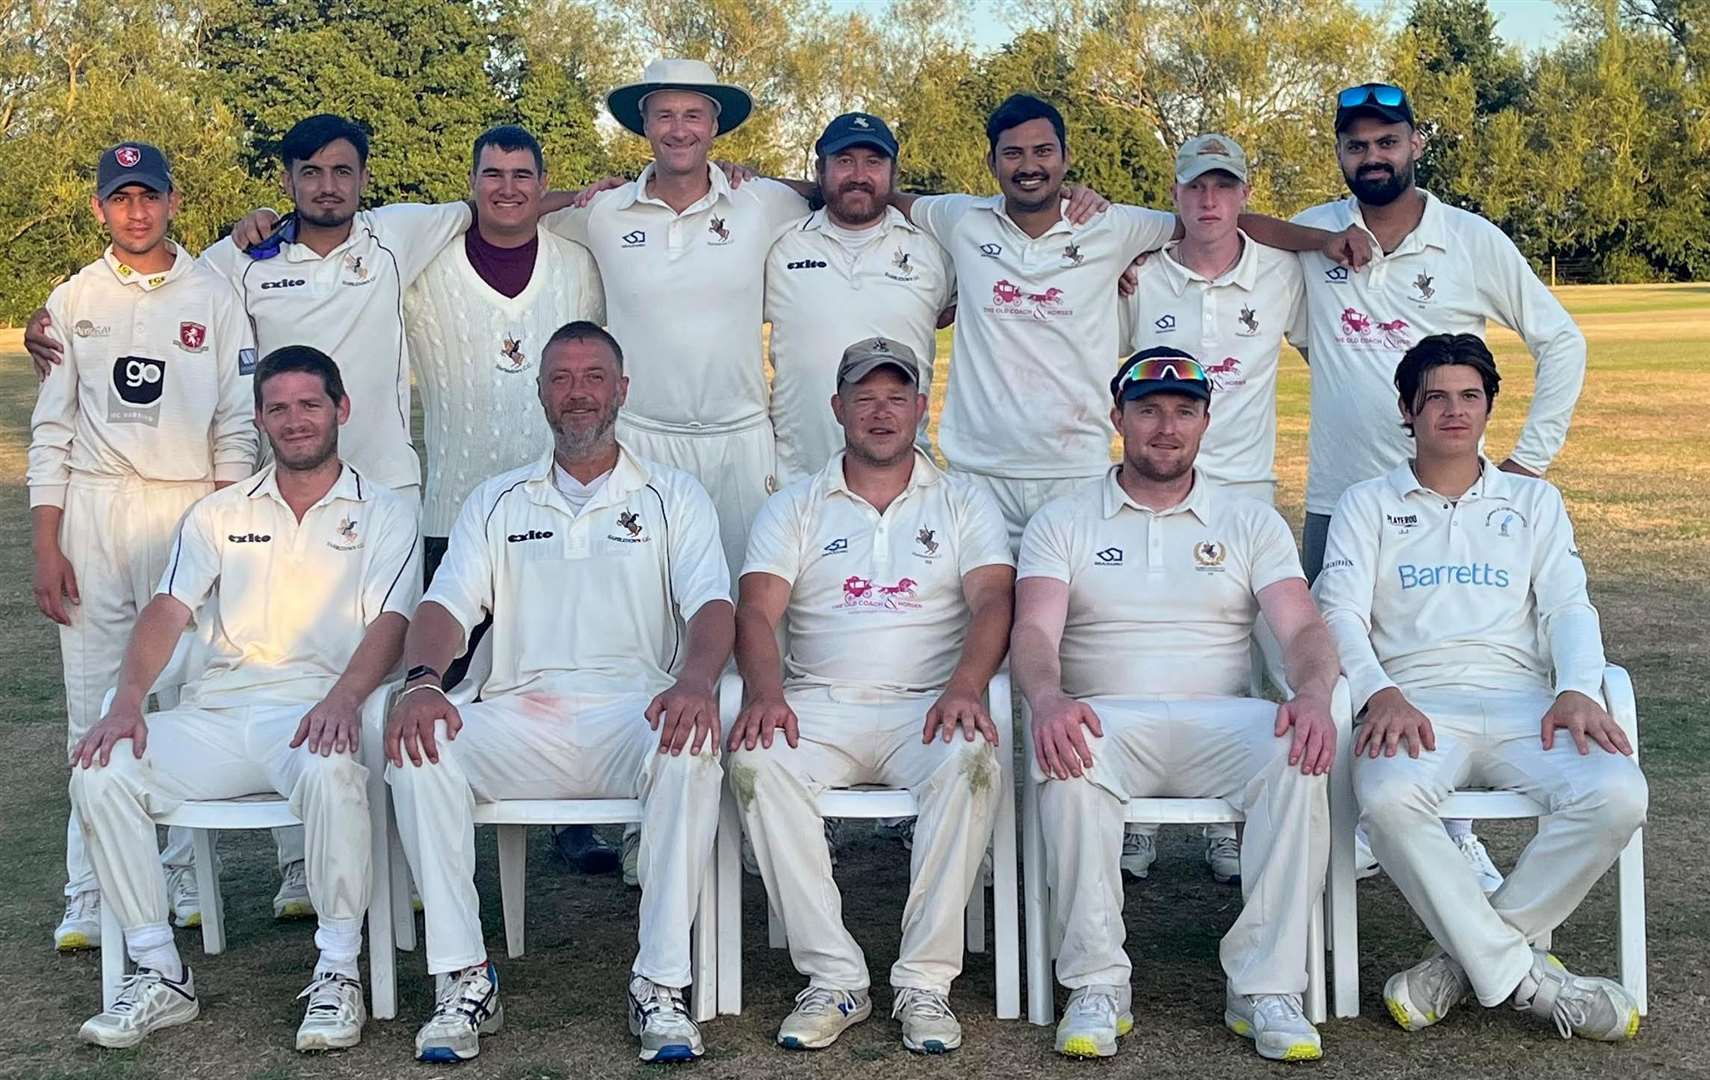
<point>138,379</point>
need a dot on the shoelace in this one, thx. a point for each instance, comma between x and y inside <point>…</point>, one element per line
<point>323,994</point>
<point>85,905</point>
<point>294,875</point>
<point>657,998</point>
<point>1474,852</point>
<point>131,989</point>
<point>463,998</point>
<point>818,999</point>
<point>1100,1005</point>
<point>923,1003</point>
<point>1442,981</point>
<point>1277,1007</point>
<point>1223,846</point>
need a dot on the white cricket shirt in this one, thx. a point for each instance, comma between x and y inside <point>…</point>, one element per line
<point>290,601</point>
<point>154,383</point>
<point>592,602</point>
<point>685,293</point>
<point>1036,334</point>
<point>1484,592</point>
<point>1161,605</point>
<point>477,354</point>
<point>1451,275</point>
<point>876,600</point>
<point>350,305</point>
<point>821,297</point>
<point>1233,326</point>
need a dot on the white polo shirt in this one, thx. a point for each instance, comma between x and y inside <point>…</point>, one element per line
<point>290,600</point>
<point>1036,334</point>
<point>1451,275</point>
<point>1161,605</point>
<point>590,602</point>
<point>876,599</point>
<point>1234,326</point>
<point>350,305</point>
<point>684,294</point>
<point>1483,592</point>
<point>154,384</point>
<point>821,297</point>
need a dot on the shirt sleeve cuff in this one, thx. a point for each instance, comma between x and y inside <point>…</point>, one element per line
<point>47,495</point>
<point>1363,686</point>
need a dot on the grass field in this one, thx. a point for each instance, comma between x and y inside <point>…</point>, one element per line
<point>1636,474</point>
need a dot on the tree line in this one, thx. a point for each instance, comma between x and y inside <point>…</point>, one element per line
<point>1595,151</point>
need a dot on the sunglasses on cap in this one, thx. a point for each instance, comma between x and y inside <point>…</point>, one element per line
<point>1384,94</point>
<point>1171,368</point>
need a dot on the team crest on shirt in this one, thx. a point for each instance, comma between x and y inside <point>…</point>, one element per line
<point>1226,374</point>
<point>1358,328</point>
<point>721,235</point>
<point>192,337</point>
<point>1012,301</point>
<point>926,541</point>
<point>84,328</point>
<point>1072,255</point>
<point>355,267</point>
<point>347,537</point>
<point>1505,520</point>
<point>1208,556</point>
<point>512,358</point>
<point>634,532</point>
<point>902,268</point>
<point>1249,320</point>
<point>1422,286</point>
<point>860,592</point>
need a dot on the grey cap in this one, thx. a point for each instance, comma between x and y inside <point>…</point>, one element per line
<point>869,354</point>
<point>1203,153</point>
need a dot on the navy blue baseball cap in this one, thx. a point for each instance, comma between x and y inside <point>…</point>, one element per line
<point>1160,370</point>
<point>132,163</point>
<point>856,129</point>
<point>1384,101</point>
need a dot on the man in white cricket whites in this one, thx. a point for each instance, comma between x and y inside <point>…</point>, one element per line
<point>1436,269</point>
<point>1221,296</point>
<point>1135,601</point>
<point>1036,319</point>
<point>149,412</point>
<point>308,572</point>
<point>853,269</point>
<point>611,616</point>
<point>1457,599</point>
<point>883,548</point>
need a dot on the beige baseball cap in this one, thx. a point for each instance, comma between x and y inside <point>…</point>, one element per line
<point>1203,153</point>
<point>869,354</point>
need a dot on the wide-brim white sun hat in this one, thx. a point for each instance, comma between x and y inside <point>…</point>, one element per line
<point>694,76</point>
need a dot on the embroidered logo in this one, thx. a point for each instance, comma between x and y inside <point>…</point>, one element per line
<point>1208,555</point>
<point>354,267</point>
<point>191,336</point>
<point>860,592</point>
<point>1110,556</point>
<point>634,238</point>
<point>1337,274</point>
<point>927,539</point>
<point>347,538</point>
<point>837,547</point>
<point>128,156</point>
<point>1072,255</point>
<point>1249,320</point>
<point>716,227</point>
<point>512,354</point>
<point>1422,284</point>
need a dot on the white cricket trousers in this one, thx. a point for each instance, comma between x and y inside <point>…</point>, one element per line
<point>1186,748</point>
<point>541,744</point>
<point>117,534</point>
<point>851,736</point>
<point>224,754</point>
<point>1491,739</point>
<point>738,467</point>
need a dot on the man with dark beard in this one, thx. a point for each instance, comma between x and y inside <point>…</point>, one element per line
<point>1135,599</point>
<point>591,561</point>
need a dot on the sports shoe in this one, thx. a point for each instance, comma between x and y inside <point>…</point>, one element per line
<point>929,1027</point>
<point>657,1017</point>
<point>583,851</point>
<point>81,926</point>
<point>467,1008</point>
<point>1425,992</point>
<point>147,1001</point>
<point>1139,852</point>
<point>1365,863</point>
<point>1094,1018</point>
<point>1580,1005</point>
<point>821,1015</point>
<point>631,861</point>
<point>182,896</point>
<point>334,1017</point>
<point>1276,1024</point>
<point>292,900</point>
<point>1472,850</point>
<point>1223,855</point>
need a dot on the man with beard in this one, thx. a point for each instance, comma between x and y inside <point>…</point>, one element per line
<point>854,269</point>
<point>149,413</point>
<point>1436,269</point>
<point>882,546</point>
<point>591,562</point>
<point>1037,317</point>
<point>1135,599</point>
<point>308,572</point>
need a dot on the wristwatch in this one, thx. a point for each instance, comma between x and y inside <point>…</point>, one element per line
<point>421,671</point>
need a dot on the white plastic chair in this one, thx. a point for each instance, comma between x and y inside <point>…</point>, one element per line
<point>1483,806</point>
<point>889,803</point>
<point>512,818</point>
<point>1041,983</point>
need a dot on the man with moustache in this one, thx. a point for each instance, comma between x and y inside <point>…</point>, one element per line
<point>1436,269</point>
<point>851,270</point>
<point>149,413</point>
<point>278,706</point>
<point>574,691</point>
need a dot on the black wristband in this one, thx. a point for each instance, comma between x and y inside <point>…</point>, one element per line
<point>420,671</point>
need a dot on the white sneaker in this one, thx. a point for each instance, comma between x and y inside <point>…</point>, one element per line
<point>1223,855</point>
<point>1139,852</point>
<point>632,858</point>
<point>929,1027</point>
<point>467,1008</point>
<point>182,896</point>
<point>821,1015</point>
<point>335,1015</point>
<point>292,900</point>
<point>1472,850</point>
<point>1580,1005</point>
<point>1276,1024</point>
<point>1425,992</point>
<point>81,926</point>
<point>147,1001</point>
<point>658,1019</point>
<point>1094,1018</point>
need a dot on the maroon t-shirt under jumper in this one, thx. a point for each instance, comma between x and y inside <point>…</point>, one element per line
<point>507,270</point>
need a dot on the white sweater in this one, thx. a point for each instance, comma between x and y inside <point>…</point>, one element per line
<point>476,354</point>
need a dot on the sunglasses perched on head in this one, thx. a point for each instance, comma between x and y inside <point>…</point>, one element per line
<point>1371,93</point>
<point>1177,368</point>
